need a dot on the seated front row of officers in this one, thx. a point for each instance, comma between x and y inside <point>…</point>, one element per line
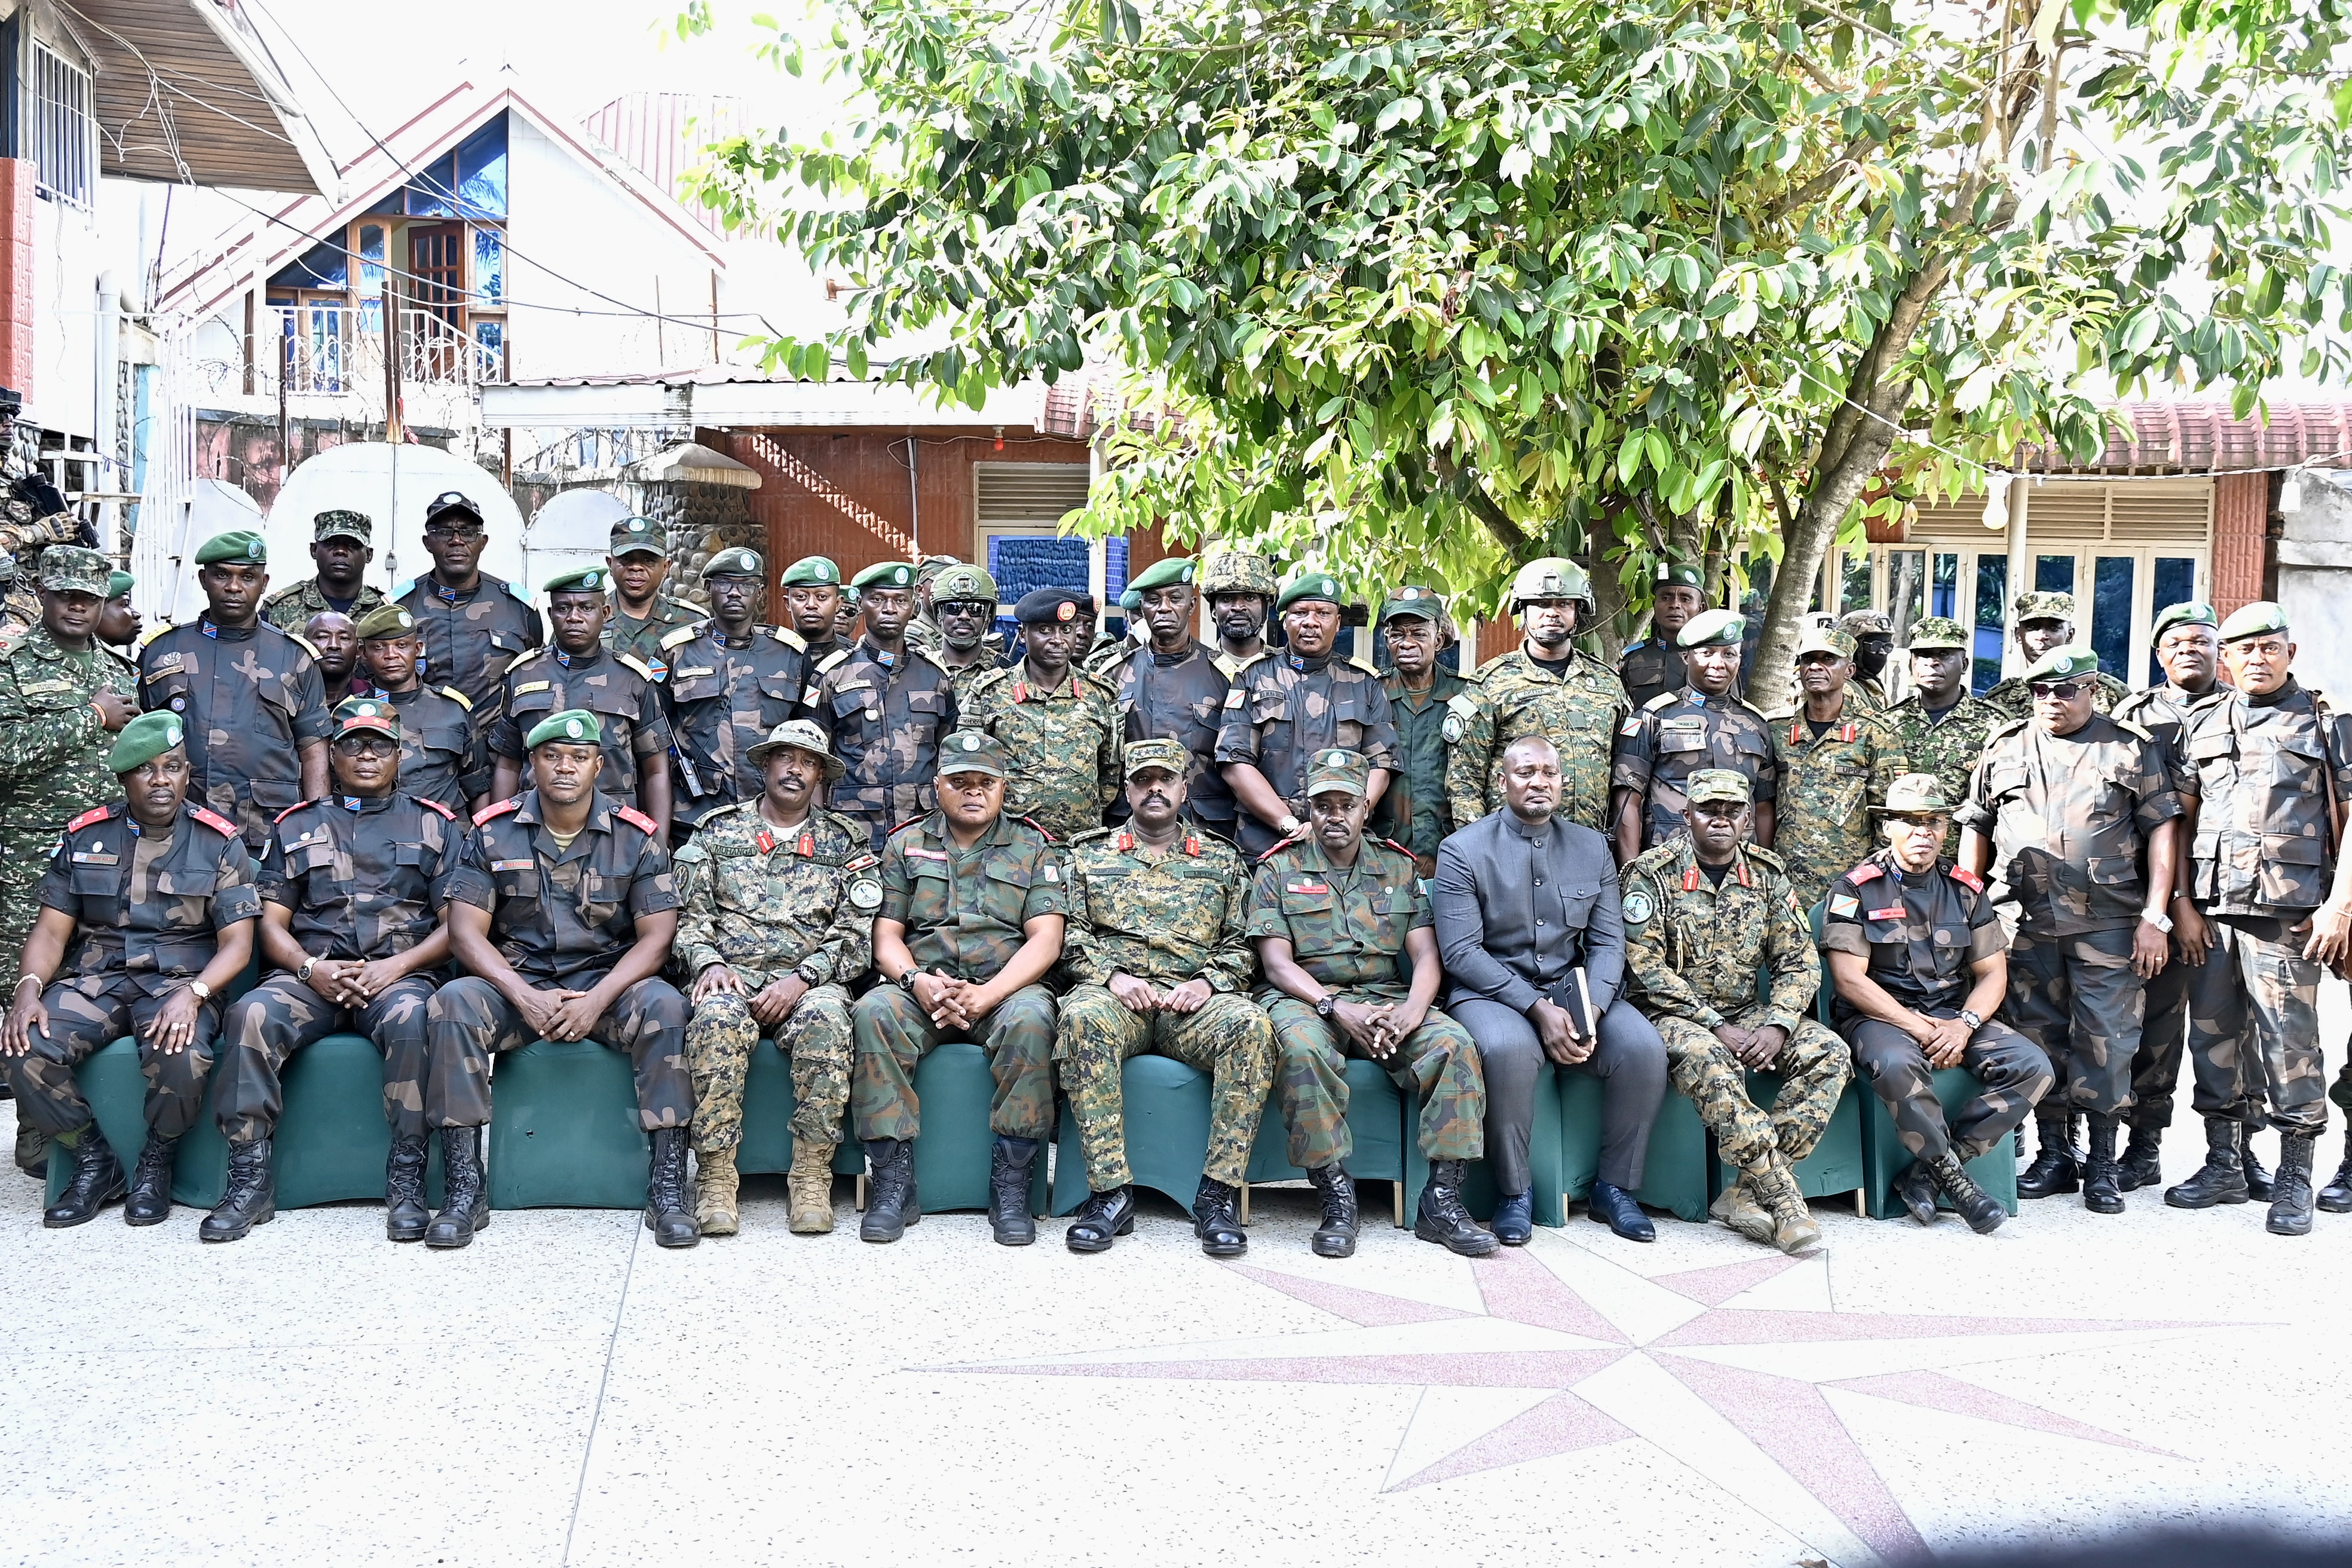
<point>559,913</point>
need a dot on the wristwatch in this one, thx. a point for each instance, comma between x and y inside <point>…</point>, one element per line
<point>1289,824</point>
<point>2157,918</point>
<point>204,993</point>
<point>303,973</point>
<point>1325,1005</point>
<point>1969,1016</point>
<point>906,981</point>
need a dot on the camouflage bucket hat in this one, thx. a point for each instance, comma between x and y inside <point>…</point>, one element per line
<point>1916,794</point>
<point>1717,783</point>
<point>1932,632</point>
<point>797,734</point>
<point>1338,768</point>
<point>1159,751</point>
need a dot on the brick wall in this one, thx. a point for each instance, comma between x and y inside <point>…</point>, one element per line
<point>16,206</point>
<point>2241,510</point>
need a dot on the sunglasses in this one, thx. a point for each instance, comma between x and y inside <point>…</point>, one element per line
<point>367,746</point>
<point>2063,690</point>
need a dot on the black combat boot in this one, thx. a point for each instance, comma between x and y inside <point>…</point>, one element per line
<point>150,1199</point>
<point>1336,1236</point>
<point>1215,1222</point>
<point>1970,1202</point>
<point>1103,1217</point>
<point>2221,1179</point>
<point>1440,1217</point>
<point>404,1214</point>
<point>2291,1189</point>
<point>97,1181</point>
<point>891,1202</point>
<point>251,1198</point>
<point>465,1207</point>
<point>1008,1190</point>
<point>1914,1188</point>
<point>2258,1181</point>
<point>2336,1197</point>
<point>2058,1167</point>
<point>669,1206</point>
<point>2103,1190</point>
<point>2140,1165</point>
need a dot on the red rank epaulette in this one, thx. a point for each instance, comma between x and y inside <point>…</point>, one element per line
<point>902,827</point>
<point>435,805</point>
<point>1042,828</point>
<point>1745,881</point>
<point>806,847</point>
<point>1125,842</point>
<point>636,820</point>
<point>1861,873</point>
<point>1690,879</point>
<point>95,813</point>
<point>1261,860</point>
<point>288,812</point>
<point>1020,691</point>
<point>497,808</point>
<point>213,820</point>
<point>1193,845</point>
<point>1967,879</point>
<point>1398,848</point>
<point>765,840</point>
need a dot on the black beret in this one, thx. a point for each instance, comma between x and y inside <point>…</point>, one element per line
<point>1043,606</point>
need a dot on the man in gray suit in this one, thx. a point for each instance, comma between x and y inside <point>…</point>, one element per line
<point>1524,900</point>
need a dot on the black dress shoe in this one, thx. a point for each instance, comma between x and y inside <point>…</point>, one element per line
<point>1615,1207</point>
<point>1103,1217</point>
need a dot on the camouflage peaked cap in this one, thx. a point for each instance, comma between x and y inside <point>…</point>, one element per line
<point>340,523</point>
<point>971,751</point>
<point>1826,639</point>
<point>71,569</point>
<point>1338,768</point>
<point>1931,632</point>
<point>1717,783</point>
<point>2044,607</point>
<point>1916,794</point>
<point>1159,751</point>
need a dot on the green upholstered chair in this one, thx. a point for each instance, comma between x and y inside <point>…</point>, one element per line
<point>1884,1155</point>
<point>1837,1165</point>
<point>954,1089</point>
<point>1548,1163</point>
<point>1678,1171</point>
<point>116,1092</point>
<point>768,1105</point>
<point>1376,1117</point>
<point>564,1131</point>
<point>333,1140</point>
<point>1166,1107</point>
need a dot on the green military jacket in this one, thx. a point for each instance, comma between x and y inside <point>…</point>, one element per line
<point>52,746</point>
<point>1346,926</point>
<point>1947,747</point>
<point>1693,949</point>
<point>985,660</point>
<point>291,609</point>
<point>771,903</point>
<point>1165,916</point>
<point>964,909</point>
<point>2015,701</point>
<point>620,689</point>
<point>2266,774</point>
<point>1684,732</point>
<point>1062,743</point>
<point>1822,825</point>
<point>563,915</point>
<point>2069,817</point>
<point>1579,710</point>
<point>642,635</point>
<point>1416,811</point>
<point>151,911</point>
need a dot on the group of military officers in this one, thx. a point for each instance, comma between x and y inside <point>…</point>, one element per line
<point>690,831</point>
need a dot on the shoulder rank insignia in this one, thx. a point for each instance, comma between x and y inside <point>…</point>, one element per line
<point>459,697</point>
<point>213,820</point>
<point>288,812</point>
<point>95,813</point>
<point>1863,873</point>
<point>1966,878</point>
<point>435,806</point>
<point>497,808</point>
<point>636,820</point>
<point>640,666</point>
<point>682,636</point>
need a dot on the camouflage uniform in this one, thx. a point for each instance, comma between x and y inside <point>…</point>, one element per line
<point>471,638</point>
<point>52,764</point>
<point>1347,928</point>
<point>883,715</point>
<point>619,689</point>
<point>250,696</point>
<point>1165,916</point>
<point>1178,696</point>
<point>963,911</point>
<point>1579,710</point>
<point>20,598</point>
<point>1829,782</point>
<point>135,944</point>
<point>1416,810</point>
<point>291,609</point>
<point>560,917</point>
<point>1281,711</point>
<point>643,637</point>
<point>25,535</point>
<point>1947,746</point>
<point>1921,935</point>
<point>442,757</point>
<point>769,904</point>
<point>724,699</point>
<point>1693,948</point>
<point>965,672</point>
<point>1062,745</point>
<point>1650,669</point>
<point>1678,734</point>
<point>362,879</point>
<point>2012,700</point>
<point>2069,817</point>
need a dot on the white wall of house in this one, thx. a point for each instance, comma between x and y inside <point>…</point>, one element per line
<point>66,262</point>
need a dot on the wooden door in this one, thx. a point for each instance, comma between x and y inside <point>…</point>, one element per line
<point>435,295</point>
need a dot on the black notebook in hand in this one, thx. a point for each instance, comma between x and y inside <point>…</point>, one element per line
<point>1576,996</point>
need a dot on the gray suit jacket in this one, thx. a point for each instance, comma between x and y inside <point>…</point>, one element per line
<point>1516,913</point>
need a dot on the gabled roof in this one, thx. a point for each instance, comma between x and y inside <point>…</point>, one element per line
<point>260,245</point>
<point>2201,435</point>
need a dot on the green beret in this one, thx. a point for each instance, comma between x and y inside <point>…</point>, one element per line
<point>339,523</point>
<point>119,583</point>
<point>1712,628</point>
<point>2068,663</point>
<point>1158,751</point>
<point>241,545</point>
<point>850,598</point>
<point>2253,620</point>
<point>386,620</point>
<point>143,739</point>
<point>963,584</point>
<point>1131,601</point>
<point>1931,632</point>
<point>2188,614</point>
<point>885,574</point>
<point>1916,794</point>
<point>1314,585</point>
<point>1825,639</point>
<point>636,535</point>
<point>1675,574</point>
<point>1338,768</point>
<point>971,751</point>
<point>368,714</point>
<point>737,562</point>
<point>1171,571</point>
<point>812,571</point>
<point>2044,607</point>
<point>71,569</point>
<point>1422,604</point>
<point>573,724</point>
<point>1717,783</point>
<point>587,580</point>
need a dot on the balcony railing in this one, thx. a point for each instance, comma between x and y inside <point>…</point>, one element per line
<point>330,349</point>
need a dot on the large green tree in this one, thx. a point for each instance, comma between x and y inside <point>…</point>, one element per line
<point>1427,288</point>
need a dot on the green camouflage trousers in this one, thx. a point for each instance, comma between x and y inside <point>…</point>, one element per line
<point>814,1038</point>
<point>269,1023</point>
<point>2010,1070</point>
<point>2273,1007</point>
<point>86,1015</point>
<point>1230,1039</point>
<point>1439,1066</point>
<point>1813,1067</point>
<point>894,1034</point>
<point>2199,1007</point>
<point>469,1022</point>
<point>2077,998</point>
<point>23,863</point>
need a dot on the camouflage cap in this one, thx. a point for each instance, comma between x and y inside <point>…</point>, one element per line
<point>799,735</point>
<point>1237,572</point>
<point>1337,769</point>
<point>1834,640</point>
<point>1677,575</point>
<point>1320,586</point>
<point>1550,578</point>
<point>638,536</point>
<point>1916,794</point>
<point>119,583</point>
<point>813,571</point>
<point>1420,604</point>
<point>71,569</point>
<point>1159,751</point>
<point>2068,663</point>
<point>971,751</point>
<point>885,574</point>
<point>2258,619</point>
<point>143,739</point>
<point>930,566</point>
<point>339,523</point>
<point>1173,572</point>
<point>574,726</point>
<point>586,580</point>
<point>736,562</point>
<point>2044,607</point>
<point>2192,614</point>
<point>1931,632</point>
<point>963,584</point>
<point>8,565</point>
<point>1717,783</point>
<point>367,713</point>
<point>1712,628</point>
<point>241,546</point>
<point>1867,624</point>
<point>386,620</point>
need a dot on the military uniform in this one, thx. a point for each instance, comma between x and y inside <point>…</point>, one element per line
<point>291,609</point>
<point>963,911</point>
<point>1179,697</point>
<point>724,699</point>
<point>641,636</point>
<point>1947,744</point>
<point>52,764</point>
<point>1677,735</point>
<point>1578,710</point>
<point>1062,745</point>
<point>885,715</point>
<point>1347,928</point>
<point>20,601</point>
<point>442,757</point>
<point>770,905</point>
<point>148,916</point>
<point>619,689</point>
<point>1829,782</point>
<point>250,696</point>
<point>1281,711</point>
<point>965,671</point>
<point>471,638</point>
<point>363,879</point>
<point>559,917</point>
<point>1165,916</point>
<point>2013,699</point>
<point>1650,669</point>
<point>1416,810</point>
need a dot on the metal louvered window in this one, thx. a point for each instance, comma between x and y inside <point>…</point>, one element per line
<point>64,150</point>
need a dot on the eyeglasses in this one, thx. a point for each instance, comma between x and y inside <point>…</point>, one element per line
<point>453,533</point>
<point>366,746</point>
<point>2063,690</point>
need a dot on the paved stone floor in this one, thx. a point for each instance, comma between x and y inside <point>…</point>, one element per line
<point>563,1390</point>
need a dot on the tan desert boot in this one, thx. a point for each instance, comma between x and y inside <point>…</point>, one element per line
<point>811,1187</point>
